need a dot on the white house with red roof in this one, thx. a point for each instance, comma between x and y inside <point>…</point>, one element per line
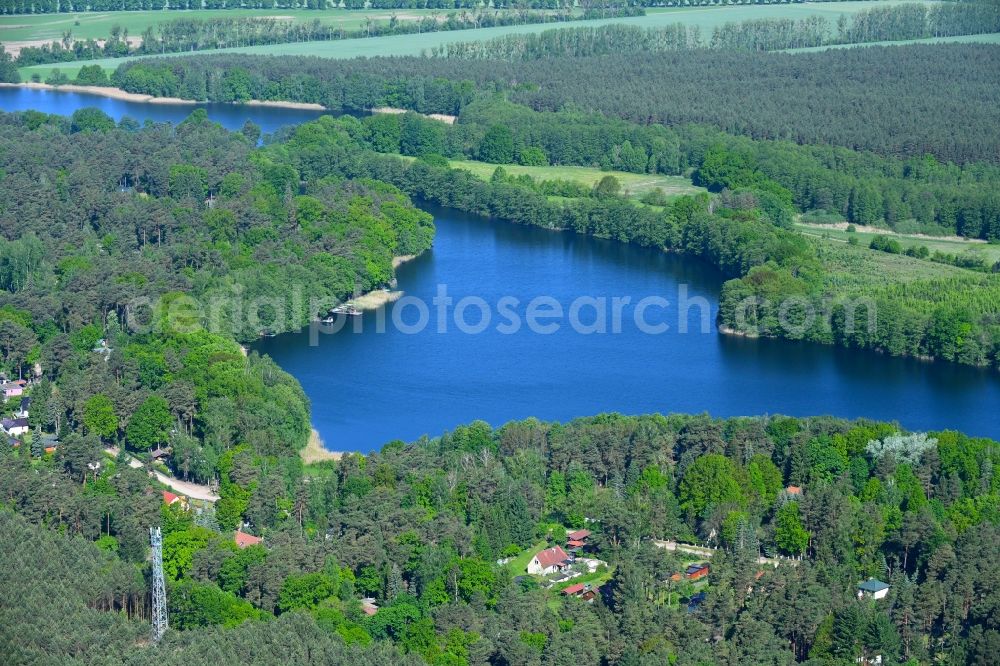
<point>548,561</point>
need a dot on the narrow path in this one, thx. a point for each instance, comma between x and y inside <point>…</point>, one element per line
<point>192,490</point>
<point>705,551</point>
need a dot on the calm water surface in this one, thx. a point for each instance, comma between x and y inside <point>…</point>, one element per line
<point>231,116</point>
<point>371,387</point>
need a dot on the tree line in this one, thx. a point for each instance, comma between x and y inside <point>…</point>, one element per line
<point>907,195</point>
<point>196,34</point>
<point>897,22</point>
<point>946,87</point>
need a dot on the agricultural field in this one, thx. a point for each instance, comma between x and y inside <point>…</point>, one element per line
<point>837,234</point>
<point>705,18</point>
<point>98,25</point>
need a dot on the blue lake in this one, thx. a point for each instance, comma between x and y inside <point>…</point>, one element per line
<point>371,387</point>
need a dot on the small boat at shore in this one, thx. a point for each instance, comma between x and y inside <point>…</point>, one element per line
<point>348,309</point>
<point>267,333</point>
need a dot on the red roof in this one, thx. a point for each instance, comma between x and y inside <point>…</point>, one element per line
<point>579,535</point>
<point>574,544</point>
<point>169,497</point>
<point>793,490</point>
<point>243,539</point>
<point>573,589</point>
<point>551,557</point>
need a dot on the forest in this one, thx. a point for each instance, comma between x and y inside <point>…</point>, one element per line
<point>134,259</point>
<point>841,97</point>
<point>417,530</point>
<point>907,195</point>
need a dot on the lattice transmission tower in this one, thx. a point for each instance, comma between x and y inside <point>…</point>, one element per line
<point>159,586</point>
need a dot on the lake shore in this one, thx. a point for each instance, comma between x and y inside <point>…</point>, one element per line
<point>316,452</point>
<point>113,93</point>
<point>377,298</point>
<point>392,110</point>
<point>125,96</point>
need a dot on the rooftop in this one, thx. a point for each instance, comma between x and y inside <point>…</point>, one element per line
<point>243,540</point>
<point>552,556</point>
<point>873,585</point>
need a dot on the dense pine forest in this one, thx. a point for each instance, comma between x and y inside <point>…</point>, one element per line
<point>417,529</point>
<point>841,97</point>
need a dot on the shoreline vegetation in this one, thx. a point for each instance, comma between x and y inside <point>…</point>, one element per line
<point>315,450</point>
<point>125,96</point>
<point>377,298</point>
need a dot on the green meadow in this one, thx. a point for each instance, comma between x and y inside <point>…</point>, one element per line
<point>633,184</point>
<point>98,25</point>
<point>990,252</point>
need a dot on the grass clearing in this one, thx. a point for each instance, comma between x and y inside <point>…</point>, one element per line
<point>634,184</point>
<point>705,18</point>
<point>991,252</point>
<point>519,564</point>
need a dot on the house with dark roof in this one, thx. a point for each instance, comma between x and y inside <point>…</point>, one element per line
<point>49,442</point>
<point>696,601</point>
<point>22,412</point>
<point>15,427</point>
<point>696,571</point>
<point>873,588</point>
<point>549,561</point>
